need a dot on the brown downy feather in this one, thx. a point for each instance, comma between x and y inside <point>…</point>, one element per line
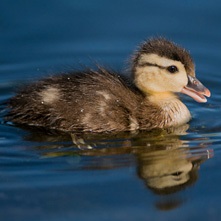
<point>99,101</point>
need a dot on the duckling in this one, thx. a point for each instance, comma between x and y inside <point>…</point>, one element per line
<point>103,101</point>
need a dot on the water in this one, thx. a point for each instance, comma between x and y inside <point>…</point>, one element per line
<point>45,177</point>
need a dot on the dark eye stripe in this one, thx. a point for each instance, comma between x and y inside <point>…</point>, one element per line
<point>172,69</point>
<point>150,64</point>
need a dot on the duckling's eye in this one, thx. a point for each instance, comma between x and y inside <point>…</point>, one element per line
<point>172,69</point>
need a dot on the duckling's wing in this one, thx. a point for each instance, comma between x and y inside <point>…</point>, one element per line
<point>89,101</point>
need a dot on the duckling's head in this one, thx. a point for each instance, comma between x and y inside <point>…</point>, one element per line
<point>160,66</point>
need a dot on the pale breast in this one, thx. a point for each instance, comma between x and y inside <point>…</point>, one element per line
<point>175,113</point>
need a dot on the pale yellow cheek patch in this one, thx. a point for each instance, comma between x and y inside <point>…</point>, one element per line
<point>153,76</point>
<point>49,95</point>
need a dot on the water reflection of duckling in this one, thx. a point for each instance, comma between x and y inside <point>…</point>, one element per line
<point>98,101</point>
<point>164,162</point>
<point>169,170</point>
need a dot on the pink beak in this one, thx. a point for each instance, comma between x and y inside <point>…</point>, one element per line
<point>196,90</point>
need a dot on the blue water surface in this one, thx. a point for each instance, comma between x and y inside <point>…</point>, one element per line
<point>46,177</point>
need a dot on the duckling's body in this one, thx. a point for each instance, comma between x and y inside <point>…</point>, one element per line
<point>93,101</point>
<point>99,101</point>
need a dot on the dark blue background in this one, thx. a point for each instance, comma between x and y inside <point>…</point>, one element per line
<point>38,38</point>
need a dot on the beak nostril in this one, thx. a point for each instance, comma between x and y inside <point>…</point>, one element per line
<point>195,82</point>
